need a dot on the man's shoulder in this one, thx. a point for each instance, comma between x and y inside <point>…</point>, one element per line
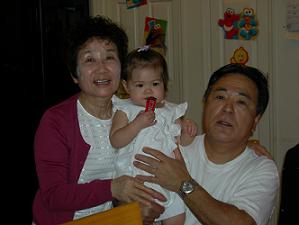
<point>261,163</point>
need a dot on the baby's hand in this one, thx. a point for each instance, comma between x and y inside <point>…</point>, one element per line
<point>189,127</point>
<point>145,119</point>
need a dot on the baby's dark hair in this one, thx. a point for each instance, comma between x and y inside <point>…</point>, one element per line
<point>252,73</point>
<point>146,57</point>
<point>95,27</point>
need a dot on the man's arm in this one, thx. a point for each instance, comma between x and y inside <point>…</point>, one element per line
<point>170,173</point>
<point>210,211</point>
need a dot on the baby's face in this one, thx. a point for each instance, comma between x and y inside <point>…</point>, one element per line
<point>145,82</point>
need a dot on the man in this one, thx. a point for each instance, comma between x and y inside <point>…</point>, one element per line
<point>222,181</point>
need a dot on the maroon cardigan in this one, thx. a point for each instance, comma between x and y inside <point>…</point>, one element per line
<point>60,153</point>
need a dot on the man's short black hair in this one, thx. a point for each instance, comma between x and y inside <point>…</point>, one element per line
<point>252,73</point>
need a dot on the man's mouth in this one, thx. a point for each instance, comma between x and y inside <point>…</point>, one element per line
<point>224,123</point>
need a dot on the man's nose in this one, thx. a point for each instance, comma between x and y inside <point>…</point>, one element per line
<point>228,106</point>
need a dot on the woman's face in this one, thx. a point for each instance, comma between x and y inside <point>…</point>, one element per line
<point>98,68</point>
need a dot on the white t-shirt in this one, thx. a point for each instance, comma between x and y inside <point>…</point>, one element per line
<point>248,182</point>
<point>159,136</point>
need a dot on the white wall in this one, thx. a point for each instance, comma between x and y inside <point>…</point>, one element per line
<point>286,73</point>
<point>283,69</point>
<point>283,57</point>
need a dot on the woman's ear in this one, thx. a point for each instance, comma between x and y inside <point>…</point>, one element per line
<point>74,79</point>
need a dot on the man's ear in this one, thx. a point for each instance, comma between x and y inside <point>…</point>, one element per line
<point>256,121</point>
<point>125,85</point>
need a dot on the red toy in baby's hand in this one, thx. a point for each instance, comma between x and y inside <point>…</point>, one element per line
<point>150,104</point>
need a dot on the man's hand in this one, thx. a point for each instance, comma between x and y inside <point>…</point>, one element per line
<point>167,172</point>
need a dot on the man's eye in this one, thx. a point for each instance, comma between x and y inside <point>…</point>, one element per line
<point>241,102</point>
<point>219,97</point>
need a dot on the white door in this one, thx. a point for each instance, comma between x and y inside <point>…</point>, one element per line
<point>133,20</point>
<point>221,50</point>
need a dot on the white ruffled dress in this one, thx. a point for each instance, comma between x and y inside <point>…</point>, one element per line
<point>161,136</point>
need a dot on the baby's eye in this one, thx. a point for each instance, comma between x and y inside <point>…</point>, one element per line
<point>139,85</point>
<point>156,84</point>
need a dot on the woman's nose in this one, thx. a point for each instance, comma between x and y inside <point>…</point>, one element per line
<point>101,65</point>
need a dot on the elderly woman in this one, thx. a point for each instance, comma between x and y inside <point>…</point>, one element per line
<point>73,156</point>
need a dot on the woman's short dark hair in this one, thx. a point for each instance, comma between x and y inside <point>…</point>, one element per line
<point>148,57</point>
<point>99,27</point>
<point>252,73</point>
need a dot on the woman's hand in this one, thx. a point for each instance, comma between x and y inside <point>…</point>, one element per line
<point>130,189</point>
<point>259,149</point>
<point>167,172</point>
<point>151,212</point>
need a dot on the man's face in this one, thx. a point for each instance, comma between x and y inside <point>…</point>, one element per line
<point>230,109</point>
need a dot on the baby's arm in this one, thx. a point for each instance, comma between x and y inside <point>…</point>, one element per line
<point>122,132</point>
<point>189,130</point>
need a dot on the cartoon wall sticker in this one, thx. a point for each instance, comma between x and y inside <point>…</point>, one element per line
<point>155,34</point>
<point>247,24</point>
<point>239,26</point>
<point>229,24</point>
<point>135,3</point>
<point>240,56</point>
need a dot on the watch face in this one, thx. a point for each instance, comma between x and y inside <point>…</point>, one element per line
<point>187,187</point>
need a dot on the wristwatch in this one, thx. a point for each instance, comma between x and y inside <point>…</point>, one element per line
<point>187,187</point>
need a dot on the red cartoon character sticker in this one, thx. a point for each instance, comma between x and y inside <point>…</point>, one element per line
<point>230,24</point>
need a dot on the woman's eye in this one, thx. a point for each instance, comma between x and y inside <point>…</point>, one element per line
<point>89,60</point>
<point>110,57</point>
